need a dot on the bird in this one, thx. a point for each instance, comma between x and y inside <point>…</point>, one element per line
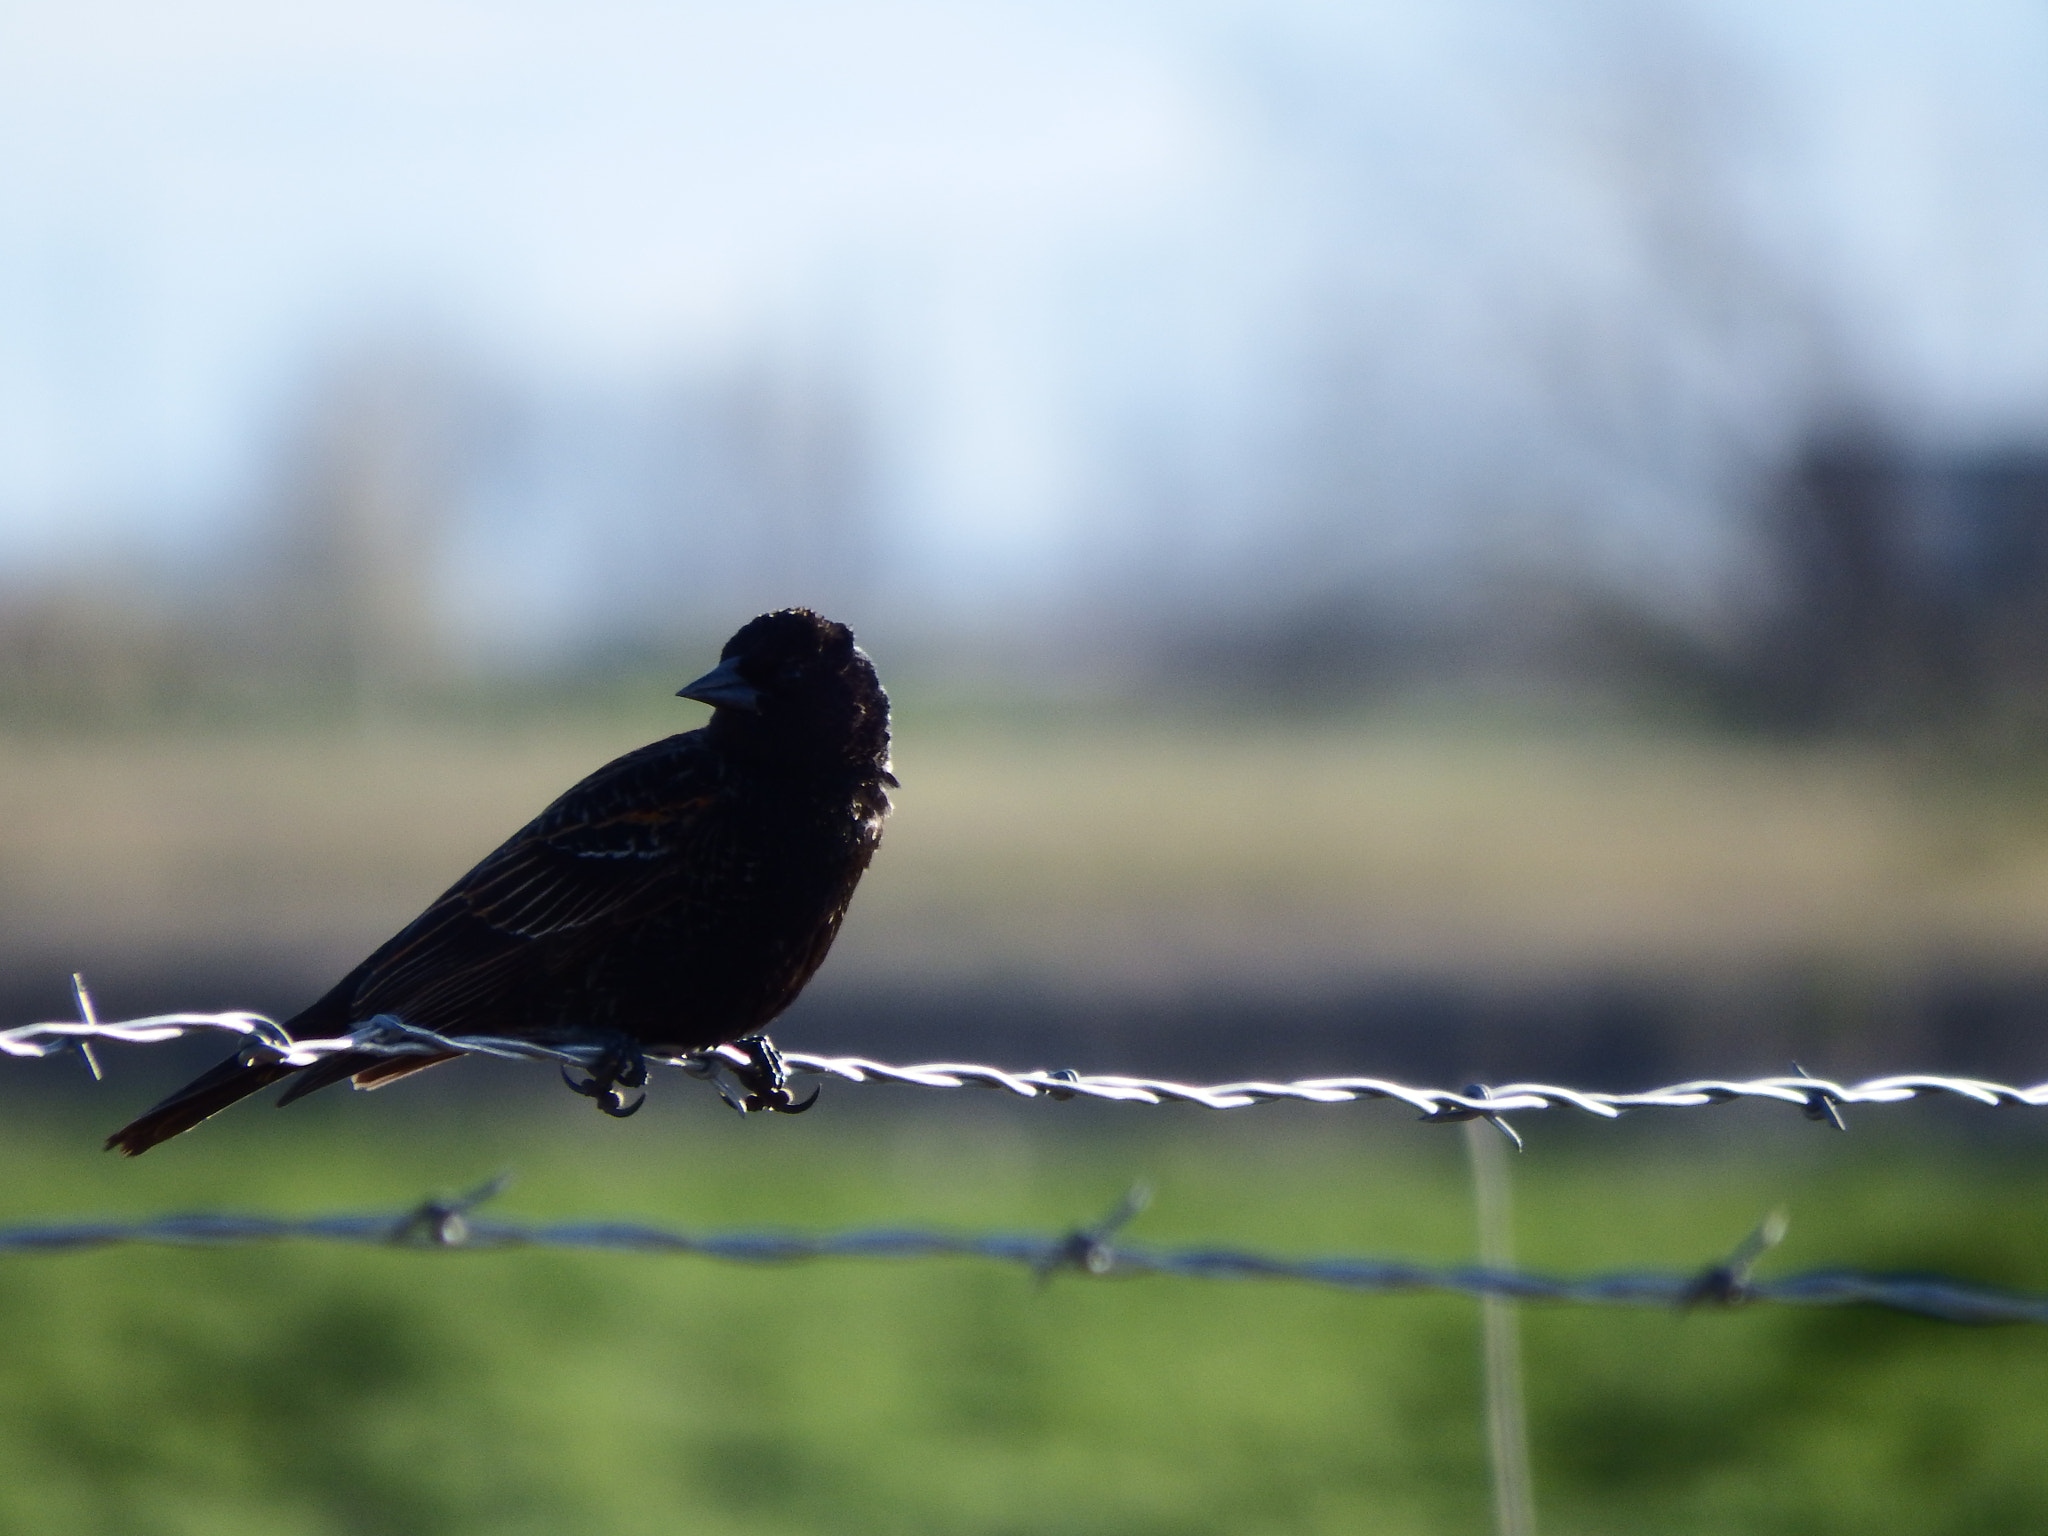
<point>677,899</point>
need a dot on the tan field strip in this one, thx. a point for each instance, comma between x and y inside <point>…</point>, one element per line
<point>1141,854</point>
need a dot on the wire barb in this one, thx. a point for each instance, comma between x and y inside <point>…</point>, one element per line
<point>87,1017</point>
<point>1088,1249</point>
<point>443,1222</point>
<point>1820,1103</point>
<point>1728,1283</point>
<point>1475,1097</point>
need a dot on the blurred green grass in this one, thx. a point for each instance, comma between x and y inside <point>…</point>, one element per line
<point>300,1389</point>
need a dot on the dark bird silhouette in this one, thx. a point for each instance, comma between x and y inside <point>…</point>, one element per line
<point>677,899</point>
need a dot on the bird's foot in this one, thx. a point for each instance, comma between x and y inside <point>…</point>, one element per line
<point>765,1079</point>
<point>622,1066</point>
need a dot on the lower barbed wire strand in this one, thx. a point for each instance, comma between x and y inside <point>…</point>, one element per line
<point>1939,1297</point>
<point>390,1036</point>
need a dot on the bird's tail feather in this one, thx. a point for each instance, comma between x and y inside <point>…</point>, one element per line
<point>368,1068</point>
<point>236,1078</point>
<point>233,1080</point>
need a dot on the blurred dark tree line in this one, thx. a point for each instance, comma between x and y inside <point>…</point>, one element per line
<point>1887,587</point>
<point>1891,590</point>
<point>1911,588</point>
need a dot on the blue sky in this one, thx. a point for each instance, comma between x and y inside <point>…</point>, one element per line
<point>1077,252</point>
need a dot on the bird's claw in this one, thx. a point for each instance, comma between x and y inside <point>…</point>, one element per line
<point>623,1066</point>
<point>615,1105</point>
<point>765,1079</point>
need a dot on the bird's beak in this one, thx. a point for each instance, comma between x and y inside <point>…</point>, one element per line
<point>723,688</point>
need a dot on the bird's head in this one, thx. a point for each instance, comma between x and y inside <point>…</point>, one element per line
<point>795,685</point>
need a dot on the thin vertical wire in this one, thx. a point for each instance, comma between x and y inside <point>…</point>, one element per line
<point>1507,1429</point>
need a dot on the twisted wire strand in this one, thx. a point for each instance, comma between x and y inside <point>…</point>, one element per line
<point>1817,1097</point>
<point>1089,1252</point>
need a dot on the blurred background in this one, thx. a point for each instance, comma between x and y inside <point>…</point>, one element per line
<point>1471,540</point>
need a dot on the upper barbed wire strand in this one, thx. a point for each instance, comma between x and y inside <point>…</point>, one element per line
<point>391,1036</point>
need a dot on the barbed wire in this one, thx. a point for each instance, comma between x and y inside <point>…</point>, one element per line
<point>1092,1251</point>
<point>1816,1097</point>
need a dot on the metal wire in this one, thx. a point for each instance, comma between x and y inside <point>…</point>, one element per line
<point>1088,1250</point>
<point>1091,1251</point>
<point>1818,1098</point>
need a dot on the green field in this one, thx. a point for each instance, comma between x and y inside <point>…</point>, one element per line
<point>301,1389</point>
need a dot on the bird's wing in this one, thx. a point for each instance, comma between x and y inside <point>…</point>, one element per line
<point>596,857</point>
